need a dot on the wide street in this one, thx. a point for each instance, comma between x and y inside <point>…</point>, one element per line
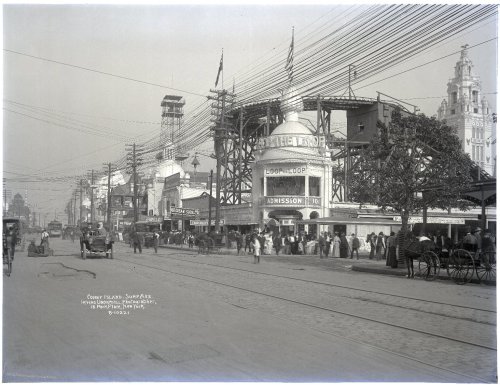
<point>181,316</point>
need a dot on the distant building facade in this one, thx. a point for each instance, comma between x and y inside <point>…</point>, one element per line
<point>469,111</point>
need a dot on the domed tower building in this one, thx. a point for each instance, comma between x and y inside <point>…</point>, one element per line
<point>291,175</point>
<point>469,112</point>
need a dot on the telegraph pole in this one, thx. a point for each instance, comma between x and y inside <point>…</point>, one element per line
<point>81,201</point>
<point>92,197</point>
<point>74,209</point>
<point>134,161</point>
<point>108,205</point>
<point>210,201</point>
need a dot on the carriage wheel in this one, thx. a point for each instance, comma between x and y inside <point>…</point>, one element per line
<point>428,266</point>
<point>461,266</point>
<point>84,252</point>
<point>487,268</point>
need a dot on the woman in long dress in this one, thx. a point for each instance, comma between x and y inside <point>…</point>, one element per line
<point>344,246</point>
<point>336,246</point>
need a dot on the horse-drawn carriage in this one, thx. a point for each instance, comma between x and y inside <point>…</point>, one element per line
<point>94,241</point>
<point>460,262</point>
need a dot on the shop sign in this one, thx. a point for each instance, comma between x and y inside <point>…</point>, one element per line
<point>437,220</point>
<point>174,211</point>
<point>292,200</point>
<point>204,222</point>
<point>284,200</point>
<point>276,141</point>
<point>287,222</point>
<point>154,219</point>
<point>298,170</point>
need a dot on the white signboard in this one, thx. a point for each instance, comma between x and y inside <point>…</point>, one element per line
<point>439,220</point>
<point>204,222</point>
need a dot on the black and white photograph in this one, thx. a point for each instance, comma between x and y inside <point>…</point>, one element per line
<point>282,192</point>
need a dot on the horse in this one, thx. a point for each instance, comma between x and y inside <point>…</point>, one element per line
<point>414,247</point>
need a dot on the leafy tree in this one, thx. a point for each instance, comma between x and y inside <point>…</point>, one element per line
<point>411,155</point>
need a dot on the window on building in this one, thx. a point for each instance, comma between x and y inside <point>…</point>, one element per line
<point>481,153</point>
<point>476,110</point>
<point>314,186</point>
<point>286,185</point>
<point>361,127</point>
<point>453,112</point>
<point>262,187</point>
<point>454,97</point>
<point>475,96</point>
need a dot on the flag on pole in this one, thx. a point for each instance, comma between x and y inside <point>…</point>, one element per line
<point>220,69</point>
<point>289,61</point>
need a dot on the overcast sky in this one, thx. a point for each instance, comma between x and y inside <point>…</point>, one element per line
<point>166,46</point>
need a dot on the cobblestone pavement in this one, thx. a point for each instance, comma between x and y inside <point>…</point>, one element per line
<point>473,326</point>
<point>199,330</point>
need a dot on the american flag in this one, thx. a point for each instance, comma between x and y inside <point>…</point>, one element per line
<point>289,61</point>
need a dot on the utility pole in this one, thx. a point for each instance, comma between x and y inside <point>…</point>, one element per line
<point>81,201</point>
<point>108,203</point>
<point>92,197</point>
<point>74,209</point>
<point>134,161</point>
<point>210,201</point>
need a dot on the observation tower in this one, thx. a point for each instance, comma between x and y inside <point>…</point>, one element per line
<point>171,121</point>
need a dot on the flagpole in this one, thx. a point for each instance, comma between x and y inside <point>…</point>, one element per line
<point>222,68</point>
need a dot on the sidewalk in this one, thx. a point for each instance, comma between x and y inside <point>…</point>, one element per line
<point>363,264</point>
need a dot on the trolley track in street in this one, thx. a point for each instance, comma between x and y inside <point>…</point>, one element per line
<point>327,284</point>
<point>310,305</point>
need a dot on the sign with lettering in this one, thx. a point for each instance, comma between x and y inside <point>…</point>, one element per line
<point>292,201</point>
<point>204,222</point>
<point>297,170</point>
<point>174,211</point>
<point>285,200</point>
<point>276,141</point>
<point>438,220</point>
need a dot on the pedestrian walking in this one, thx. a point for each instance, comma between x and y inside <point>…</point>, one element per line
<point>137,242</point>
<point>355,246</point>
<point>371,239</point>
<point>321,244</point>
<point>277,243</point>
<point>380,246</point>
<point>239,242</point>
<point>45,241</point>
<point>328,243</point>
<point>343,246</point>
<point>392,259</point>
<point>156,241</point>
<point>256,249</point>
<point>248,243</point>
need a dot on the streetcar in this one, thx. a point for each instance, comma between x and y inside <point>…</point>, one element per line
<point>54,228</point>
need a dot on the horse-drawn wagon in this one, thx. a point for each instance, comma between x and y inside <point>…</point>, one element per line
<point>461,263</point>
